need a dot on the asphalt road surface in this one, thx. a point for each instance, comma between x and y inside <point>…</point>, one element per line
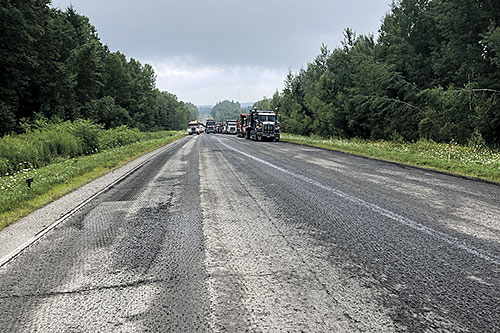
<point>224,234</point>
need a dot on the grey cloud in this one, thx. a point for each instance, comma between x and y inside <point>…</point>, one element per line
<point>259,32</point>
<point>205,51</point>
<point>204,84</point>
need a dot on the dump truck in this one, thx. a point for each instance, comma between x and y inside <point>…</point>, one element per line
<point>194,127</point>
<point>210,126</point>
<point>262,125</point>
<point>240,125</point>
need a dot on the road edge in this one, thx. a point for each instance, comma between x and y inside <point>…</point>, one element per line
<point>401,164</point>
<point>34,236</point>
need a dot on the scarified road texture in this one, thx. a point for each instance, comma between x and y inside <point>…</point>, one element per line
<point>224,234</point>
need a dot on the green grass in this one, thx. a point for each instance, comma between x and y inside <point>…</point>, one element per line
<point>476,162</point>
<point>66,174</point>
<point>47,143</point>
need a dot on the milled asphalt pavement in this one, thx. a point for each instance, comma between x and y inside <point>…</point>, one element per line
<point>26,229</point>
<point>217,233</point>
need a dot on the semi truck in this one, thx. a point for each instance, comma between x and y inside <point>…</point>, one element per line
<point>194,127</point>
<point>262,125</point>
<point>230,127</point>
<point>210,126</point>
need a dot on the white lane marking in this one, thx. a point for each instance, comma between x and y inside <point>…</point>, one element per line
<point>384,212</point>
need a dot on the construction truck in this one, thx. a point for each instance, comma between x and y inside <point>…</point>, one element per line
<point>230,127</point>
<point>262,125</point>
<point>194,127</point>
<point>210,126</point>
<point>240,125</point>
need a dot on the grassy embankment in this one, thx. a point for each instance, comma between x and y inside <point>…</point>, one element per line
<point>476,162</point>
<point>61,158</point>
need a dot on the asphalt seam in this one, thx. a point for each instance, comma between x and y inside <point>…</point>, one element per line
<point>132,284</point>
<point>281,233</point>
<point>120,286</point>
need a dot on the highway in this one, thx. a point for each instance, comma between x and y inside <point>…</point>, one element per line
<point>219,233</point>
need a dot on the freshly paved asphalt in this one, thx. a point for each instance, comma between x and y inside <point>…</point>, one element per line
<point>224,234</point>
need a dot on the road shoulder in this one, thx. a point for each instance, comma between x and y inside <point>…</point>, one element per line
<point>18,235</point>
<point>401,164</point>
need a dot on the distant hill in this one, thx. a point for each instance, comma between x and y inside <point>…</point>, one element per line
<point>203,109</point>
<point>207,109</point>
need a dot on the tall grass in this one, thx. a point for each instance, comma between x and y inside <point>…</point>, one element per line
<point>65,174</point>
<point>49,142</point>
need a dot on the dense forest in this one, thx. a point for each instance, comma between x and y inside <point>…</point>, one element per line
<point>433,72</point>
<point>54,66</point>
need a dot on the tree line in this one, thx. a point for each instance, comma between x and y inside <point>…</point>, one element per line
<point>54,66</point>
<point>433,72</point>
<point>226,110</point>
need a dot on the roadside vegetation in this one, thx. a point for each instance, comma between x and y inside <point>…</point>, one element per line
<point>70,108</point>
<point>46,142</point>
<point>432,72</point>
<point>473,159</point>
<point>54,65</point>
<point>60,157</point>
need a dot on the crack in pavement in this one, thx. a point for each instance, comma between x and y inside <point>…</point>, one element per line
<point>133,284</point>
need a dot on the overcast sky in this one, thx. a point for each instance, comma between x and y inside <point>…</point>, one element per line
<point>205,51</point>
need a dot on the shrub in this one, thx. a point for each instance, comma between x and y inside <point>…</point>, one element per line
<point>4,166</point>
<point>119,136</point>
<point>88,133</point>
<point>476,140</point>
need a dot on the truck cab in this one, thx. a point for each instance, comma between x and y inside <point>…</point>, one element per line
<point>210,126</point>
<point>263,125</point>
<point>241,125</point>
<point>231,127</point>
<point>194,127</point>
